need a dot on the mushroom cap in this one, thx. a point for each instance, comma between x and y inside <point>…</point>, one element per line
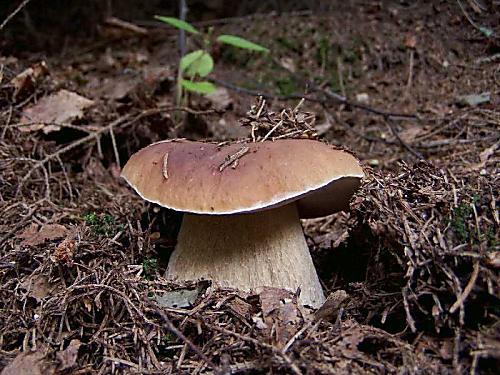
<point>205,178</point>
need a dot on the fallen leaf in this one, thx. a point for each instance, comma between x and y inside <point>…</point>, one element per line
<point>493,259</point>
<point>220,98</point>
<point>27,79</point>
<point>60,108</point>
<point>409,134</point>
<point>29,363</point>
<point>240,307</point>
<point>180,298</point>
<point>363,97</point>
<point>288,64</point>
<point>117,89</point>
<point>474,99</point>
<point>281,313</point>
<point>270,299</point>
<point>34,237</point>
<point>37,285</point>
<point>332,305</point>
<point>67,357</point>
<point>484,156</point>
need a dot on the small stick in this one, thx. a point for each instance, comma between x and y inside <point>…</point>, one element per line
<point>468,288</point>
<point>403,143</point>
<point>116,22</point>
<point>295,337</point>
<point>272,130</point>
<point>410,73</point>
<point>68,183</point>
<point>165,165</point>
<point>295,369</point>
<point>10,16</point>
<point>409,318</point>
<point>121,122</point>
<point>232,158</point>
<point>299,105</point>
<point>115,148</point>
<point>341,77</point>
<point>170,327</point>
<point>261,107</point>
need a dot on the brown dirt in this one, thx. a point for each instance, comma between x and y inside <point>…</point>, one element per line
<point>412,268</point>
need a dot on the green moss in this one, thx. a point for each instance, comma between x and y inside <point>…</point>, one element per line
<point>288,44</point>
<point>458,221</point>
<point>150,266</point>
<point>323,52</point>
<point>286,86</point>
<point>101,224</point>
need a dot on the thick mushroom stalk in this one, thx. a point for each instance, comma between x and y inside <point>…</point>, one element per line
<point>247,252</point>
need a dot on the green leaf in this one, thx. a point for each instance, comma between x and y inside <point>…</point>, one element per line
<point>180,24</point>
<point>236,41</point>
<point>197,63</point>
<point>203,87</point>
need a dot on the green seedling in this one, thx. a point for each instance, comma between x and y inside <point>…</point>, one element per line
<point>198,64</point>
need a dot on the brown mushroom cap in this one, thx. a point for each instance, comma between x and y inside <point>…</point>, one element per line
<point>204,178</point>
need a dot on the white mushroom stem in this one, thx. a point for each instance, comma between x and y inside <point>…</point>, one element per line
<point>247,252</point>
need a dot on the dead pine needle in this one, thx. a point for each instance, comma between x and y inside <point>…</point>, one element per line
<point>468,288</point>
<point>170,327</point>
<point>233,158</point>
<point>165,166</point>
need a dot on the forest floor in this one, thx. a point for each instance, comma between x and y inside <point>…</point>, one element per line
<point>411,270</point>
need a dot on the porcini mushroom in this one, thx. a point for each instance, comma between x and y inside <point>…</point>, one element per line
<point>242,204</point>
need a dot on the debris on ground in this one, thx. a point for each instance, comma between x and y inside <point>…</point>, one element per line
<point>411,271</point>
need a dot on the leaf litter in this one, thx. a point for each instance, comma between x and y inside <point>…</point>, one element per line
<point>49,112</point>
<point>411,270</point>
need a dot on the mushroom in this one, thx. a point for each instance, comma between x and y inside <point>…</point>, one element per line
<point>243,203</point>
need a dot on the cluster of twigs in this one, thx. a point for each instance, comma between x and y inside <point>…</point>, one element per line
<point>288,123</point>
<point>442,233</point>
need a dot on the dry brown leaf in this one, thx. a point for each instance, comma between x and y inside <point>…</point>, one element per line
<point>59,108</point>
<point>29,363</point>
<point>220,98</point>
<point>332,305</point>
<point>409,134</point>
<point>270,299</point>
<point>27,79</point>
<point>154,75</point>
<point>484,157</point>
<point>493,259</point>
<point>37,285</point>
<point>67,357</point>
<point>281,313</point>
<point>34,237</point>
<point>118,89</point>
<point>288,64</point>
<point>240,307</point>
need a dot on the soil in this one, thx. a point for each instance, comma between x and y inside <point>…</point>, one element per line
<point>410,270</point>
